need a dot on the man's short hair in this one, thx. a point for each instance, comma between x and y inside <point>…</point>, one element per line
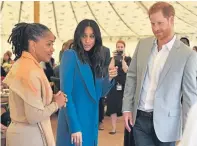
<point>166,8</point>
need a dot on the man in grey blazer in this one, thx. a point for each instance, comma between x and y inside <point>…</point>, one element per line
<point>163,70</point>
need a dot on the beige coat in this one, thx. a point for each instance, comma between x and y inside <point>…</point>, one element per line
<point>30,112</point>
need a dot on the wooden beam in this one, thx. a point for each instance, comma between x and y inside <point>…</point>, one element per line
<point>36,11</point>
<point>19,16</point>
<point>2,5</point>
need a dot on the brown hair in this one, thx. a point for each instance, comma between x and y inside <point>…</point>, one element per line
<point>9,53</point>
<point>195,48</point>
<point>67,44</point>
<point>166,8</point>
<point>122,42</point>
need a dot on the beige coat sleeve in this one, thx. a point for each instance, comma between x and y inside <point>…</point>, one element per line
<point>35,115</point>
<point>40,112</point>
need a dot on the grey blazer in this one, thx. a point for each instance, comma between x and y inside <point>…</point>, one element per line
<point>177,80</point>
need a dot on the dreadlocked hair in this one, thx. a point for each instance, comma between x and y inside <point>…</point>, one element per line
<point>22,33</point>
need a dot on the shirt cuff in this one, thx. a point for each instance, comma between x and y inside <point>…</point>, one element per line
<point>126,111</point>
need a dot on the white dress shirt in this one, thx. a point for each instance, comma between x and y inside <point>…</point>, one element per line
<point>154,68</point>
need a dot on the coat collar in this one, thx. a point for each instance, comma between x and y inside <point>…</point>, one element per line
<point>87,76</point>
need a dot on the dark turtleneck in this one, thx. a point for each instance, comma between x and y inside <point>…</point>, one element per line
<point>90,61</point>
<point>90,55</point>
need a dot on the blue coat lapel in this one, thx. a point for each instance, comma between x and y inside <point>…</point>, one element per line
<point>87,76</point>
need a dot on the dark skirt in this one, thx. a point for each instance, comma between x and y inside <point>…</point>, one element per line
<point>114,102</point>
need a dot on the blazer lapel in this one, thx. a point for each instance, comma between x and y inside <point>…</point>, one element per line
<point>144,58</point>
<point>169,61</point>
<point>87,76</point>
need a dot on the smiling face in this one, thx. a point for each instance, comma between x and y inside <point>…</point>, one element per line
<point>43,49</point>
<point>88,39</point>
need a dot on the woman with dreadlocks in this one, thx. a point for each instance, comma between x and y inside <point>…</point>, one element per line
<point>30,97</point>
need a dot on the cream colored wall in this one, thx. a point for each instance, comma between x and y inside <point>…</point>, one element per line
<point>130,46</point>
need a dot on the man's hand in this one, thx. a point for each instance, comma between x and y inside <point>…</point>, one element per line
<point>128,117</point>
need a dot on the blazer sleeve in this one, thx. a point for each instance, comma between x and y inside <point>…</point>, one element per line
<point>107,57</point>
<point>189,84</point>
<point>67,72</point>
<point>130,85</point>
<point>106,54</point>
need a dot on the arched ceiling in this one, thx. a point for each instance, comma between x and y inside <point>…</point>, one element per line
<point>116,19</point>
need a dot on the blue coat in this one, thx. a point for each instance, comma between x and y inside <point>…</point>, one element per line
<point>81,112</point>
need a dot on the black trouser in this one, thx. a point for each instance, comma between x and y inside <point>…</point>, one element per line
<point>101,109</point>
<point>128,137</point>
<point>144,132</point>
<point>5,118</point>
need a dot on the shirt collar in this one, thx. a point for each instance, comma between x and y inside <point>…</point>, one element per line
<point>168,45</point>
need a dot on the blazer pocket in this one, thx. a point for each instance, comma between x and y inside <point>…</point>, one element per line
<point>174,113</point>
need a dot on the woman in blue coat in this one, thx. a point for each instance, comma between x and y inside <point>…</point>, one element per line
<point>82,80</point>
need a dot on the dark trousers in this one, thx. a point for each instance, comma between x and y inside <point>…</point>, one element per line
<point>101,109</point>
<point>144,133</point>
<point>128,137</point>
<point>5,119</point>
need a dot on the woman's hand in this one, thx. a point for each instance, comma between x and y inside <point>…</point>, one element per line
<point>60,99</point>
<point>3,128</point>
<point>113,72</point>
<point>114,53</point>
<point>124,64</point>
<point>76,138</point>
<point>123,56</point>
